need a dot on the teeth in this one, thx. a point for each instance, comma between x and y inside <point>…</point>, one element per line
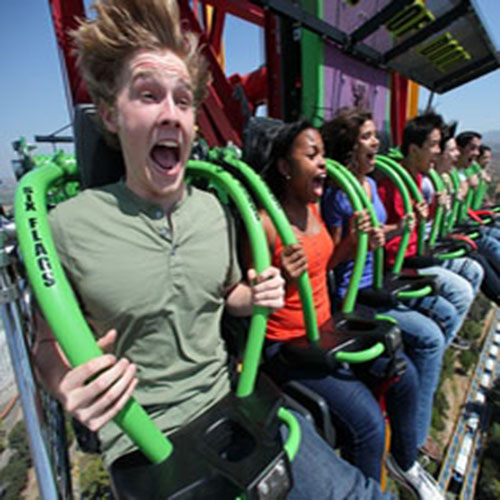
<point>169,144</point>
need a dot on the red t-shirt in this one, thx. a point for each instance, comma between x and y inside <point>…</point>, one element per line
<point>393,203</point>
<point>288,322</point>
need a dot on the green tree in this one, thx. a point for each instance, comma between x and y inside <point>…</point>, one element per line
<point>13,477</point>
<point>15,474</point>
<point>467,359</point>
<point>471,330</point>
<point>447,371</point>
<point>94,480</point>
<point>489,483</point>
<point>441,406</point>
<point>18,441</point>
<point>479,309</point>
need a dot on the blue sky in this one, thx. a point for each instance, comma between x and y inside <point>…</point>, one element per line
<point>32,95</point>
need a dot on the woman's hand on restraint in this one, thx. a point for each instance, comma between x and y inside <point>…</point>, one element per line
<point>293,262</point>
<point>422,210</point>
<point>360,221</point>
<point>376,238</point>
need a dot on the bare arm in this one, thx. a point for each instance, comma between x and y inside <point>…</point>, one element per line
<point>266,290</point>
<point>392,230</point>
<point>345,248</point>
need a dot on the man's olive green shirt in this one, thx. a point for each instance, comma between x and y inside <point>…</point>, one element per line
<point>161,284</point>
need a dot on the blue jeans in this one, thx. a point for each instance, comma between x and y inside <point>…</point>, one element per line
<point>424,344</point>
<point>468,269</point>
<point>459,281</point>
<point>490,231</point>
<point>489,247</point>
<point>318,473</point>
<point>355,411</point>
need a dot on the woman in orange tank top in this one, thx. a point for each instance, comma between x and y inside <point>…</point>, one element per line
<point>295,169</point>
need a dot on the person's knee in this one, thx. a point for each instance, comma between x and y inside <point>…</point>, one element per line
<point>431,336</point>
<point>370,433</point>
<point>463,289</point>
<point>468,274</point>
<point>434,343</point>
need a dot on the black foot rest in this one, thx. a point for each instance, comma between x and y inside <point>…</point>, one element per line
<point>449,245</point>
<point>466,227</point>
<point>420,261</point>
<point>352,334</point>
<point>406,281</point>
<point>233,449</point>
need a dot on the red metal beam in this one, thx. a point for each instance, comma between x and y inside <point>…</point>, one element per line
<point>255,85</point>
<point>216,29</point>
<point>224,111</point>
<point>65,15</point>
<point>222,114</point>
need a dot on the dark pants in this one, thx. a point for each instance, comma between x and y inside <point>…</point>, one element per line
<point>355,411</point>
<point>491,281</point>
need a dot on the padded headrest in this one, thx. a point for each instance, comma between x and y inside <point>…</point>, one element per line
<point>259,136</point>
<point>98,162</point>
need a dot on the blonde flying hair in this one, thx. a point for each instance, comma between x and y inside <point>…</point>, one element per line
<point>121,28</point>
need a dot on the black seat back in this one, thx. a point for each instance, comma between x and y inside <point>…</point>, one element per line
<point>98,162</point>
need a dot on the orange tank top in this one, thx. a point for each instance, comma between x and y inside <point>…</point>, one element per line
<point>288,322</point>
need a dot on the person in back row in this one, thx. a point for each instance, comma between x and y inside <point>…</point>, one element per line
<point>484,161</point>
<point>295,171</point>
<point>153,260</point>
<point>351,139</point>
<point>469,146</point>
<point>488,253</point>
<point>460,278</point>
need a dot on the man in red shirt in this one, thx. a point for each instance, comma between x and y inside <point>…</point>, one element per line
<point>459,279</point>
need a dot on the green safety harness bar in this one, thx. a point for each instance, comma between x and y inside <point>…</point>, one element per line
<point>269,202</point>
<point>480,192</point>
<point>54,294</point>
<point>455,209</point>
<point>385,168</point>
<point>378,253</point>
<point>417,196</point>
<point>272,206</point>
<point>414,192</point>
<point>461,208</point>
<point>378,277</point>
<point>474,197</point>
<point>439,215</point>
<point>438,223</point>
<point>362,246</point>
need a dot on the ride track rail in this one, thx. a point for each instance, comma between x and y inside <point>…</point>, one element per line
<point>460,428</point>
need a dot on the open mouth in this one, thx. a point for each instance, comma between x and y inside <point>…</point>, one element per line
<point>318,184</point>
<point>166,155</point>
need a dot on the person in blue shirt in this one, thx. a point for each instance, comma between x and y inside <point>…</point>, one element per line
<point>351,139</point>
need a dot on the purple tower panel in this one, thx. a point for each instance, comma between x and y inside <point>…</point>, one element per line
<point>348,18</point>
<point>351,83</point>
